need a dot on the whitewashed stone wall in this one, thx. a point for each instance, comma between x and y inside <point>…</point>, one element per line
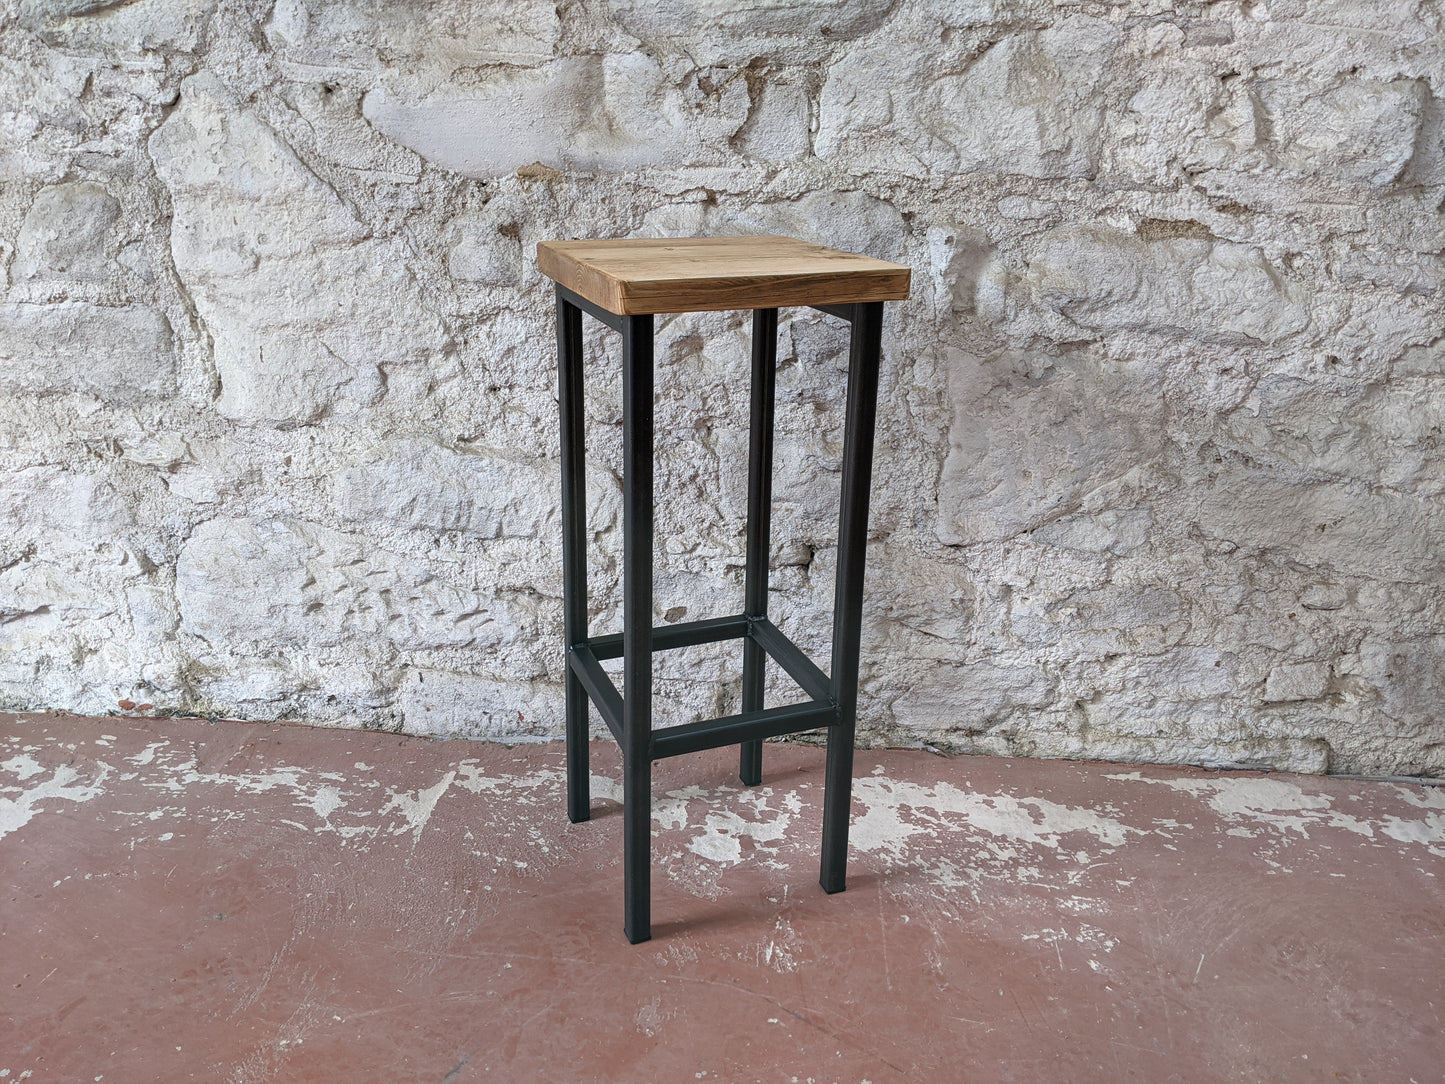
<point>1159,474</point>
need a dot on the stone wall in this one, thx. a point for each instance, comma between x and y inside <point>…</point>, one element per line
<point>1159,474</point>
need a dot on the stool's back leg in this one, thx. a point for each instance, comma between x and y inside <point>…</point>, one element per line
<point>863,361</point>
<point>760,501</point>
<point>574,547</point>
<point>637,381</point>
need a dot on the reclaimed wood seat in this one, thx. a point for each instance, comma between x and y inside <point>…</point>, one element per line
<point>709,274</point>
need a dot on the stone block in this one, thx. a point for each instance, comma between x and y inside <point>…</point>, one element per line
<point>73,509</point>
<point>1030,105</point>
<point>304,308</point>
<point>716,31</point>
<point>1099,621</point>
<point>267,586</point>
<point>1361,131</point>
<point>134,29</point>
<point>1345,527</point>
<point>1179,111</point>
<point>124,354</point>
<point>67,235</point>
<point>347,36</point>
<point>1406,675</point>
<point>1109,531</point>
<point>513,120</point>
<point>1325,596</point>
<point>777,127</point>
<point>1104,280</point>
<point>446,704</point>
<point>1297,681</point>
<point>854,221</point>
<point>483,254</point>
<point>40,600</point>
<point>1377,433</point>
<point>58,9</point>
<point>1023,453</point>
<point>619,112</point>
<point>244,582</point>
<point>339,133</point>
<point>421,484</point>
<point>990,692</point>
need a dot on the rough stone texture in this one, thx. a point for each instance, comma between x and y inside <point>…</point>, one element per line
<point>1159,473</point>
<point>121,353</point>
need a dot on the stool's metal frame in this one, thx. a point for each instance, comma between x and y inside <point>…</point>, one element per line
<point>628,715</point>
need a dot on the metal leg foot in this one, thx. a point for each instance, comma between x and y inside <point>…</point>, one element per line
<point>750,763</point>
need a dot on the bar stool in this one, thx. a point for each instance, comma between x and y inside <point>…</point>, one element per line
<point>623,283</point>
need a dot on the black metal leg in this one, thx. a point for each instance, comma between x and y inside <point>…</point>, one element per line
<point>760,500</point>
<point>863,361</point>
<point>574,548</point>
<point>637,626</point>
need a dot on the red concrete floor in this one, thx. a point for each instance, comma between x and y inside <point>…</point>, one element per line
<point>247,902</point>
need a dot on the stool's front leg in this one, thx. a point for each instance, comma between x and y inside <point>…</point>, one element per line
<point>637,626</point>
<point>760,501</point>
<point>574,548</point>
<point>863,359</point>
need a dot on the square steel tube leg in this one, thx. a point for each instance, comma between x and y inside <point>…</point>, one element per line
<point>574,547</point>
<point>760,500</point>
<point>865,348</point>
<point>637,381</point>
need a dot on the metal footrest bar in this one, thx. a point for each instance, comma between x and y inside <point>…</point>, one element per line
<point>750,726</point>
<point>791,658</point>
<point>683,634</point>
<point>583,662</point>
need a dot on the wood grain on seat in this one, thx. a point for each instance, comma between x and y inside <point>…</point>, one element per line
<point>633,276</point>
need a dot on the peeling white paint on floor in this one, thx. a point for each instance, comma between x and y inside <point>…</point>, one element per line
<point>897,810</point>
<point>721,818</point>
<point>326,801</point>
<point>417,806</point>
<point>542,783</point>
<point>986,852</point>
<point>22,766</point>
<point>148,754</point>
<point>17,811</point>
<point>730,816</point>
<point>1252,805</point>
<point>1028,839</point>
<point>355,807</point>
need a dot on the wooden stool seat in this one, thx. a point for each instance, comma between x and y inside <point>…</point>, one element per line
<point>710,274</point>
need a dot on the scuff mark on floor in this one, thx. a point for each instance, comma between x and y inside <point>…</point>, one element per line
<point>778,949</point>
